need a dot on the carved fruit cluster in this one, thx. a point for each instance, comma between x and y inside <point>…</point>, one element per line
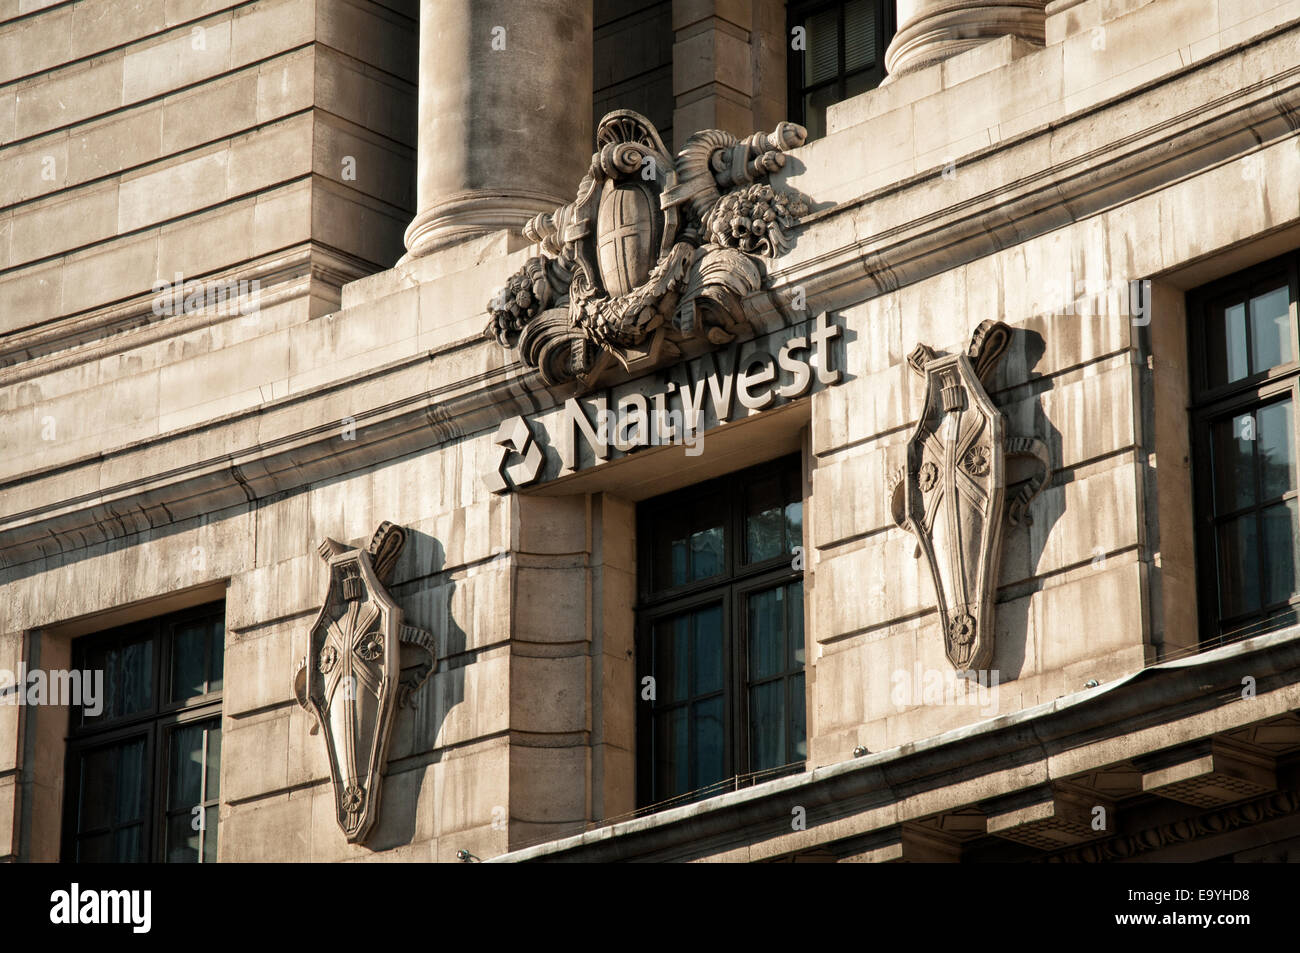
<point>526,295</point>
<point>755,219</point>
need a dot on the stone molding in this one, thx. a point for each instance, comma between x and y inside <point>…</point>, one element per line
<point>470,214</point>
<point>1125,847</point>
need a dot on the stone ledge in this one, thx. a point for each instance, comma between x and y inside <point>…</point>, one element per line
<point>998,757</point>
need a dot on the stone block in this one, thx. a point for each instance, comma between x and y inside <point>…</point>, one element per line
<point>548,785</point>
<point>548,695</point>
<point>550,605</point>
<point>473,790</point>
<point>254,755</point>
<point>176,59</point>
<point>110,23</point>
<point>69,95</point>
<point>275,829</point>
<point>210,111</point>
<point>84,217</point>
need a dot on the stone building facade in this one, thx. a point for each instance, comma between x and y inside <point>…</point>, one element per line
<point>649,429</point>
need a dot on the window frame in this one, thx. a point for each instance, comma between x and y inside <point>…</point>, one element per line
<point>797,13</point>
<point>1210,404</point>
<point>730,588</point>
<point>154,724</point>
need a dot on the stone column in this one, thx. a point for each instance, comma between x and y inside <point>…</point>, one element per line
<point>505,114</point>
<point>933,30</point>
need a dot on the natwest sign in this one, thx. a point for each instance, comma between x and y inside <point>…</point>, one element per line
<point>697,396</point>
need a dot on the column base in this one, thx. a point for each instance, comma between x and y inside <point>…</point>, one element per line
<point>938,31</point>
<point>473,213</point>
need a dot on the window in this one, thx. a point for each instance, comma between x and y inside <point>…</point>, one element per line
<point>145,762</point>
<point>720,630</point>
<point>1245,381</point>
<point>844,55</point>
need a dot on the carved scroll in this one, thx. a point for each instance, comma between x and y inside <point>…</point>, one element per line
<point>951,493</point>
<point>352,680</point>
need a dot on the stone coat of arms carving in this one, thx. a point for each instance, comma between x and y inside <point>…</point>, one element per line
<point>951,493</point>
<point>655,251</point>
<point>352,680</point>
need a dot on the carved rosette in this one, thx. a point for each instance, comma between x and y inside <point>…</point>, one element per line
<point>352,680</point>
<point>655,251</point>
<point>951,493</point>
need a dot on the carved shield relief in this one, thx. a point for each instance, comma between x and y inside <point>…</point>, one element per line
<point>353,667</point>
<point>629,228</point>
<point>953,503</point>
<point>951,493</point>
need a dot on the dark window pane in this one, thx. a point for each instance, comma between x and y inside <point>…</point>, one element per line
<point>859,34</point>
<point>213,787</point>
<point>128,678</point>
<point>1270,329</point>
<point>709,641</point>
<point>709,752</point>
<point>860,83</point>
<point>794,624</point>
<point>1234,462</point>
<point>672,765</point>
<point>185,773</point>
<point>672,658</point>
<point>1281,532</point>
<point>96,849</point>
<point>1238,567</point>
<point>821,59</point>
<point>766,633</point>
<point>706,553</point>
<point>1275,442</point>
<point>767,725</point>
<point>764,520</point>
<point>814,110</point>
<point>798,720</point>
<point>793,525</point>
<point>128,845</point>
<point>217,659</point>
<point>113,779</point>
<point>182,839</point>
<point>210,836</point>
<point>678,574</point>
<point>1226,345</point>
<point>190,652</point>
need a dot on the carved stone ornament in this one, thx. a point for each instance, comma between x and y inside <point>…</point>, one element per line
<point>654,252</point>
<point>352,679</point>
<point>951,494</point>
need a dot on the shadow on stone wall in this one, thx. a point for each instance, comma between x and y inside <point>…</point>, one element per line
<point>426,599</point>
<point>1023,545</point>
